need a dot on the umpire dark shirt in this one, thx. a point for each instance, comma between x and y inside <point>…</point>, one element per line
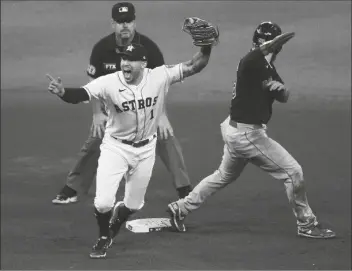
<point>251,101</point>
<point>104,58</point>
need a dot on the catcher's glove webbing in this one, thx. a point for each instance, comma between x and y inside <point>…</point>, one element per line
<point>203,33</point>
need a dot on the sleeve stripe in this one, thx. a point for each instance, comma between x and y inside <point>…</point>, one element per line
<point>88,92</point>
<point>181,71</point>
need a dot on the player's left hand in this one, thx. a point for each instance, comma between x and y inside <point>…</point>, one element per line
<point>164,127</point>
<point>202,32</point>
<point>275,86</point>
<point>56,86</point>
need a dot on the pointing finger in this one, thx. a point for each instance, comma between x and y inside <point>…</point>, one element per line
<point>50,77</point>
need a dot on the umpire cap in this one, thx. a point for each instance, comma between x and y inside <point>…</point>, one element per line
<point>123,12</point>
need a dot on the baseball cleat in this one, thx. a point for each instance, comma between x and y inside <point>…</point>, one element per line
<point>115,222</point>
<point>316,231</point>
<point>63,199</point>
<point>177,218</point>
<point>100,248</point>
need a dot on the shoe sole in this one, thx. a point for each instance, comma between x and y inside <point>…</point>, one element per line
<point>62,202</point>
<point>173,219</point>
<point>316,237</point>
<point>92,256</point>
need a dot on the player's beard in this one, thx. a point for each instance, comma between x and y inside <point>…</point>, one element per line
<point>125,34</point>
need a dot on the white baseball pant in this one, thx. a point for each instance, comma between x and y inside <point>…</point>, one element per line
<point>119,160</point>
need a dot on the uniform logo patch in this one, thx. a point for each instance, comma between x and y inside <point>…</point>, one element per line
<point>91,70</point>
<point>110,66</point>
<point>123,9</point>
<point>130,48</point>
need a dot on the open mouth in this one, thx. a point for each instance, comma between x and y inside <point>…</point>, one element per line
<point>127,73</point>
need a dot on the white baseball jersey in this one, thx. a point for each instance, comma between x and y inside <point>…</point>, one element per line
<point>134,111</point>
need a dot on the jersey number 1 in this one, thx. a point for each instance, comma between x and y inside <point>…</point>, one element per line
<point>152,114</point>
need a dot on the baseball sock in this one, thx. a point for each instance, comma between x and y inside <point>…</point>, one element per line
<point>184,191</point>
<point>124,213</point>
<point>103,222</point>
<point>68,191</point>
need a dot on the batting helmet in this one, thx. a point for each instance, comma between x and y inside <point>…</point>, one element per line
<point>264,32</point>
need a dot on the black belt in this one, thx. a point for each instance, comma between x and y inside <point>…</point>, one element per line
<point>139,143</point>
<point>239,125</point>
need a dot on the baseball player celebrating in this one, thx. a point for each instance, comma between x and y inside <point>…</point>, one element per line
<point>245,135</point>
<point>105,59</point>
<point>134,98</point>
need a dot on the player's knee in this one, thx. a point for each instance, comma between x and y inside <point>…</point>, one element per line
<point>296,176</point>
<point>134,205</point>
<point>104,204</point>
<point>224,176</point>
<point>297,173</point>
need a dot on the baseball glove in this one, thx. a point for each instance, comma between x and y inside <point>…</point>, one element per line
<point>202,32</point>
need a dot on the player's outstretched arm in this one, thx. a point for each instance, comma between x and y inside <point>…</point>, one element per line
<point>275,44</point>
<point>69,95</point>
<point>198,62</point>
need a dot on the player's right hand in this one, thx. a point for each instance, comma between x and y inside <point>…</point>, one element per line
<point>98,125</point>
<point>275,86</point>
<point>164,128</point>
<point>56,86</point>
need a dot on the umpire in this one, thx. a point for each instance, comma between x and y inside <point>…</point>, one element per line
<point>104,59</point>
